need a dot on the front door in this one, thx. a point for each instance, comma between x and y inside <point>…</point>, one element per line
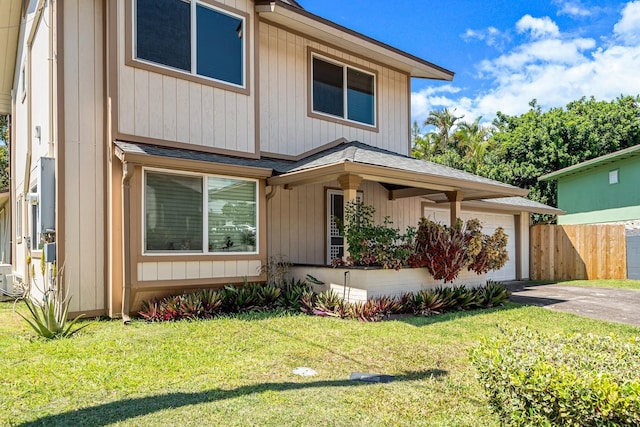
<point>335,209</point>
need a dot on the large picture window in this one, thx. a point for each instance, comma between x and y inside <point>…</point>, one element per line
<point>191,36</point>
<point>343,91</point>
<point>199,214</point>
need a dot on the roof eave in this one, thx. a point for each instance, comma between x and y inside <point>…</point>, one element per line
<point>9,34</point>
<point>307,23</point>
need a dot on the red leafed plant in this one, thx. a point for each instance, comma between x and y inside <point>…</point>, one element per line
<point>445,251</point>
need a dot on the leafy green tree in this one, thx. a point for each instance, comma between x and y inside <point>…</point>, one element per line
<point>536,142</point>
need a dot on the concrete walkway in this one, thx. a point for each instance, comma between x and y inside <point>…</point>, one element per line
<point>615,305</point>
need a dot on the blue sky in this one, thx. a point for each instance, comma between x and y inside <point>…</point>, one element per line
<point>505,52</point>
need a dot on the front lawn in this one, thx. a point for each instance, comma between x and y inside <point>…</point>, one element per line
<point>618,284</point>
<point>237,371</point>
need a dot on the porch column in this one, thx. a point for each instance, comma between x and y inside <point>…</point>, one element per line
<point>349,184</point>
<point>523,224</point>
<point>455,201</point>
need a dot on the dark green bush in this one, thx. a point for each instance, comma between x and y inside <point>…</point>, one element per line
<point>532,379</point>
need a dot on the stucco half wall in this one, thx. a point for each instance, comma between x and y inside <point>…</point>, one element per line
<point>359,284</point>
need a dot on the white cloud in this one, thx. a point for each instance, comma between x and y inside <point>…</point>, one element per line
<point>574,9</point>
<point>628,28</point>
<point>552,68</point>
<point>537,27</point>
<point>491,36</point>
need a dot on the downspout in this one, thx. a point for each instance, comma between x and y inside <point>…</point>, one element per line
<point>27,173</point>
<point>127,174</point>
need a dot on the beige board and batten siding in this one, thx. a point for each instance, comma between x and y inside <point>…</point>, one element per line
<point>163,109</point>
<point>84,158</point>
<point>297,218</point>
<point>187,270</point>
<point>285,125</point>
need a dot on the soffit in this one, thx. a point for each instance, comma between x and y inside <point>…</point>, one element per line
<point>300,20</point>
<point>10,11</point>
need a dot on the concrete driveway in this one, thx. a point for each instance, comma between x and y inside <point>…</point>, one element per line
<point>615,305</point>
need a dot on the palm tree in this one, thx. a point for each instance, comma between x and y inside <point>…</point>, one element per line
<point>444,121</point>
<point>473,142</point>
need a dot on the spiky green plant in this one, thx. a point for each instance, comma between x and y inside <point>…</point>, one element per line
<point>49,317</point>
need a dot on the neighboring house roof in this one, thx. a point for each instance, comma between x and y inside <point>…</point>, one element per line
<point>290,16</point>
<point>10,12</point>
<point>589,164</point>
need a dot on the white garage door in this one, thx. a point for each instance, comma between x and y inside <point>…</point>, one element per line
<point>490,222</point>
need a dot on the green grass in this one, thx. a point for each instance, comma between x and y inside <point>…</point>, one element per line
<point>238,371</point>
<point>618,284</point>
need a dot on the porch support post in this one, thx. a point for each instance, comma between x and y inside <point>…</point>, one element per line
<point>522,223</point>
<point>455,201</point>
<point>349,184</point>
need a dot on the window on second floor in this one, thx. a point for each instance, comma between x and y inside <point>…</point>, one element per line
<point>343,91</point>
<point>193,37</point>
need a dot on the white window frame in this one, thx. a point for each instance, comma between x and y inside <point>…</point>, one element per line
<point>194,45</point>
<point>205,212</point>
<point>345,103</point>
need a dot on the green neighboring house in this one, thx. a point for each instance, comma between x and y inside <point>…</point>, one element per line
<point>600,190</point>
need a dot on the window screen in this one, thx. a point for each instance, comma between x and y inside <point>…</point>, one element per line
<point>328,87</point>
<point>173,213</point>
<point>163,32</point>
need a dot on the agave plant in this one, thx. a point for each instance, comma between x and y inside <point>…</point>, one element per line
<point>49,317</point>
<point>492,295</point>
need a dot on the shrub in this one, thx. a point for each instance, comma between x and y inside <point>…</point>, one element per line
<point>493,254</point>
<point>370,244</point>
<point>445,251</point>
<point>577,380</point>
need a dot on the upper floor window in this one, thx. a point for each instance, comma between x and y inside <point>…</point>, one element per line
<point>193,37</point>
<point>343,91</point>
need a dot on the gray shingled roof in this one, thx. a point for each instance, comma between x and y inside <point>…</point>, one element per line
<point>355,152</point>
<point>177,153</point>
<point>358,152</point>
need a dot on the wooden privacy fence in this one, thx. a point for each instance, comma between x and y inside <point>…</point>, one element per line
<point>575,252</point>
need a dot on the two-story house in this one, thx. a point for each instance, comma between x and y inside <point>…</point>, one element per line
<point>172,144</point>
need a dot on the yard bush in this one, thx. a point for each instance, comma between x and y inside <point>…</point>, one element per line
<point>578,380</point>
